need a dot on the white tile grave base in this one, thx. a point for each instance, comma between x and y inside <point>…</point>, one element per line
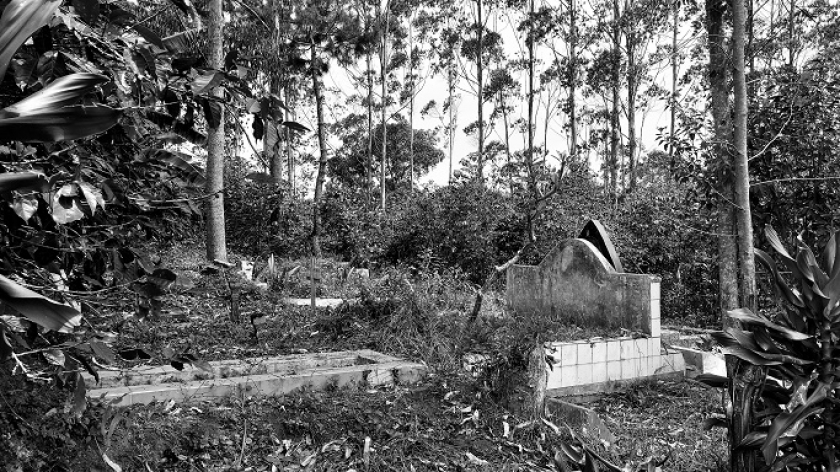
<point>595,365</point>
<point>274,376</point>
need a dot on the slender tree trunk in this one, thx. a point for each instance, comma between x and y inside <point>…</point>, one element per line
<point>721,116</point>
<point>616,69</point>
<point>674,71</point>
<point>632,85</point>
<point>451,120</point>
<point>370,163</point>
<point>322,161</point>
<point>480,79</point>
<point>215,204</point>
<point>573,78</point>
<point>507,139</point>
<point>290,148</point>
<point>384,72</point>
<point>530,151</point>
<point>791,23</point>
<point>411,103</point>
<point>742,176</point>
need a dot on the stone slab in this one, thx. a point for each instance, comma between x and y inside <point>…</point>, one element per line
<point>577,283</point>
<point>375,370</point>
<point>702,362</point>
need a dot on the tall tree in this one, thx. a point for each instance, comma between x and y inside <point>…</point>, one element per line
<point>214,209</point>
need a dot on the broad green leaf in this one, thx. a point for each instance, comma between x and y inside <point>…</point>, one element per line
<point>753,439</point>
<point>295,126</point>
<point>785,421</point>
<point>64,124</point>
<point>62,92</point>
<point>748,356</point>
<point>182,42</point>
<point>23,181</point>
<point>22,18</point>
<point>25,206</point>
<point>207,81</point>
<point>781,287</point>
<point>103,351</point>
<point>829,253</point>
<point>93,196</point>
<point>39,309</point>
<point>746,316</point>
<point>150,36</point>
<point>65,205</point>
<point>79,396</point>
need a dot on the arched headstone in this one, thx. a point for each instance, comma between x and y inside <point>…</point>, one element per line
<point>595,233</point>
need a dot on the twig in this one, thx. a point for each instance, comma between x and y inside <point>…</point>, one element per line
<point>795,179</point>
<point>242,451</point>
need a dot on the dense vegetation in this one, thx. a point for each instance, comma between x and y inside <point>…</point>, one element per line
<point>126,128</point>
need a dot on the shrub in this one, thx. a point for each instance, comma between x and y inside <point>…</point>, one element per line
<point>797,422</point>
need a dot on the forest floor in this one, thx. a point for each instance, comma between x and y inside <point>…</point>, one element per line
<point>449,422</point>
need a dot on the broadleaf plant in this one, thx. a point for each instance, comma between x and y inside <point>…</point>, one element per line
<point>799,424</point>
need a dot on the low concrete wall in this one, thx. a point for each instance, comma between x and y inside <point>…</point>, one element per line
<point>591,366</point>
<point>575,281</point>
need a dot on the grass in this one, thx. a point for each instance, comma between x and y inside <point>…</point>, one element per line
<point>450,422</point>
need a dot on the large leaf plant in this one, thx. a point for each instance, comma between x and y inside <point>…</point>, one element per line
<point>798,412</point>
<point>98,111</point>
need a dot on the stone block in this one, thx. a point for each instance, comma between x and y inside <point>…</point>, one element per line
<point>614,370</point>
<point>613,350</point>
<point>655,291</point>
<point>599,372</point>
<point>629,369</point>
<point>584,374</point>
<point>702,362</point>
<point>568,354</point>
<point>584,355</point>
<point>628,349</point>
<point>599,351</point>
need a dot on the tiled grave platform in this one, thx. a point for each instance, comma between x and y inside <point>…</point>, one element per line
<point>273,376</point>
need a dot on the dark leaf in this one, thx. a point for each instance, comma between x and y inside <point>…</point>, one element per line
<point>39,309</point>
<point>182,42</point>
<point>182,5</point>
<point>177,364</point>
<point>295,126</point>
<point>134,354</point>
<point>79,399</point>
<point>88,10</point>
<point>171,102</point>
<point>23,182</point>
<point>150,36</point>
<point>231,58</point>
<point>260,177</point>
<point>22,18</point>
<point>212,113</point>
<point>184,64</point>
<point>712,380</point>
<point>65,124</point>
<point>120,17</point>
<point>103,351</point>
<point>714,422</point>
<point>753,439</point>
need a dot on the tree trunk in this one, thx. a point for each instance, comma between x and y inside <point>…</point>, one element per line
<point>322,161</point>
<point>674,70</point>
<point>742,177</point>
<point>411,104</point>
<point>572,78</point>
<point>791,23</point>
<point>529,152</point>
<point>290,148</point>
<point>370,163</point>
<point>632,85</point>
<point>616,69</point>
<point>451,121</point>
<point>480,79</point>
<point>384,72</point>
<point>721,117</point>
<point>214,209</point>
